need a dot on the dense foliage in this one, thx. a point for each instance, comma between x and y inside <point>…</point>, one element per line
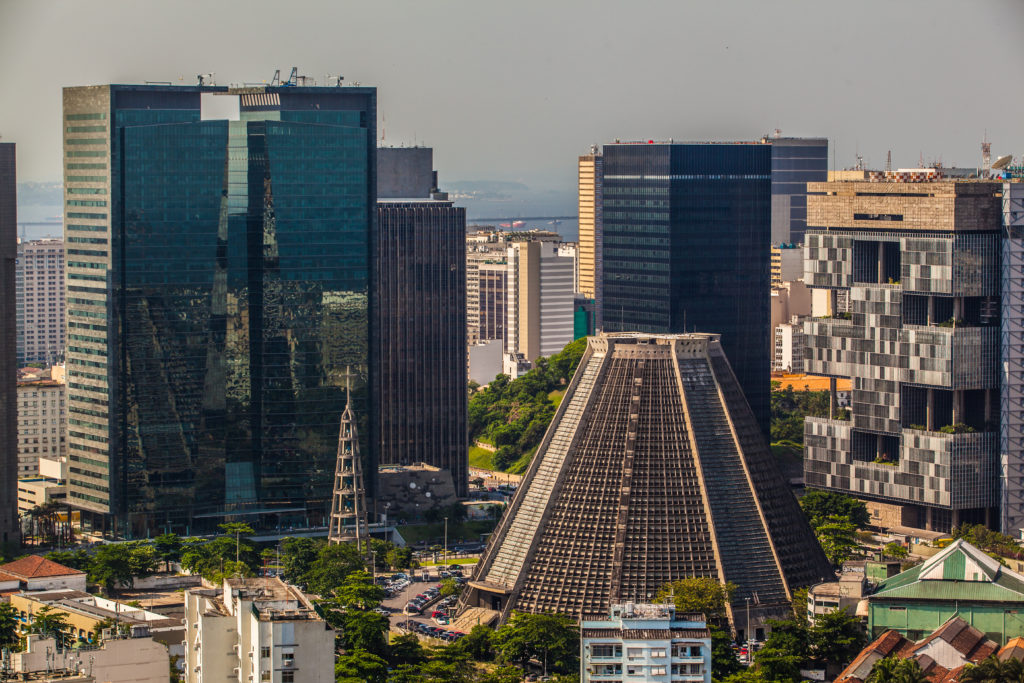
<point>514,414</point>
<point>835,518</point>
<point>988,540</point>
<point>789,408</point>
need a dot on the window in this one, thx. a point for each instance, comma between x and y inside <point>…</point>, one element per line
<point>264,652</point>
<point>265,675</point>
<point>635,652</point>
<point>288,659</point>
<point>606,650</point>
<point>658,652</point>
<point>287,677</point>
<point>657,671</point>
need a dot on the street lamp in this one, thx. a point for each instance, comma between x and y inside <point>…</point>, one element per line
<point>446,544</point>
<point>750,650</point>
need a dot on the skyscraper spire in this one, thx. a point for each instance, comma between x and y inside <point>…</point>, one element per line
<point>348,504</point>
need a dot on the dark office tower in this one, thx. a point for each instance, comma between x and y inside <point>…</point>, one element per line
<point>9,526</point>
<point>421,314</point>
<point>686,248</point>
<point>219,256</point>
<point>652,470</point>
<point>795,162</point>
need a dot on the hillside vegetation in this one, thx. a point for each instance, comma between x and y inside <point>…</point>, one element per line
<point>514,414</point>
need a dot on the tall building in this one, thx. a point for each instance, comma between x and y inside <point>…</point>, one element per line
<point>1011,423</point>
<point>795,162</point>
<point>919,262</point>
<point>42,420</point>
<point>539,300</point>
<point>686,236</point>
<point>220,251</point>
<point>421,308</point>
<point>9,523</point>
<point>652,470</point>
<point>590,179</point>
<point>41,324</point>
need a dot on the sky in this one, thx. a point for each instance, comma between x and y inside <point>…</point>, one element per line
<point>515,91</point>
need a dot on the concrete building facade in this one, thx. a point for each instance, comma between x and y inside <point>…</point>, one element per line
<point>539,300</point>
<point>649,643</point>
<point>258,629</point>
<point>9,523</point>
<point>589,188</point>
<point>42,422</point>
<point>116,660</point>
<point>919,262</point>
<point>41,323</point>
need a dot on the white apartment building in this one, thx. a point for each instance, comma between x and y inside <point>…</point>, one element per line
<point>255,630</point>
<point>121,660</point>
<point>790,345</point>
<point>540,300</point>
<point>646,643</point>
<point>42,421</point>
<point>39,286</point>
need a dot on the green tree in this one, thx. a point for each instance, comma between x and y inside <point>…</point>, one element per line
<point>365,631</point>
<point>836,637</point>
<point>399,557</point>
<point>502,674</point>
<point>236,529</point>
<point>893,670</point>
<point>897,551</point>
<point>449,587</point>
<point>360,665</point>
<point>820,506</point>
<point>699,594</point>
<point>332,564</point>
<point>357,591</point>
<point>51,624</point>
<point>786,649</point>
<point>8,625</point>
<point>168,548</point>
<point>838,538</point>
<point>406,650</point>
<point>478,643</point>
<point>723,659</point>
<point>113,566</point>
<point>992,670</point>
<point>298,556</point>
<point>550,638</point>
<point>76,559</point>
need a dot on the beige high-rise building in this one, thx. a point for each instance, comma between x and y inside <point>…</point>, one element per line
<point>40,292</point>
<point>42,421</point>
<point>591,176</point>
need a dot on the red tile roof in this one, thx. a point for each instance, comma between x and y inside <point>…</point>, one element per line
<point>36,567</point>
<point>7,577</point>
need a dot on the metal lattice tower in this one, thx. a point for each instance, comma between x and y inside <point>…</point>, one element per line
<point>348,504</point>
<point>653,470</point>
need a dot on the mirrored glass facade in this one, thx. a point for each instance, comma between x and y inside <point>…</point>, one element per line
<point>686,248</point>
<point>236,303</point>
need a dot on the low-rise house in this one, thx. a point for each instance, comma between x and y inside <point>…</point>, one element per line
<point>116,660</point>
<point>941,656</point>
<point>640,642</point>
<point>960,581</point>
<point>88,614</point>
<point>36,573</point>
<point>256,629</point>
<point>843,594</point>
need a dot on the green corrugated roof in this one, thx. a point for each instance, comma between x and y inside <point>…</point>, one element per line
<point>993,584</point>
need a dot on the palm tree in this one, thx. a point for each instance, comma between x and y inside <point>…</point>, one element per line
<point>884,671</point>
<point>991,670</point>
<point>909,671</point>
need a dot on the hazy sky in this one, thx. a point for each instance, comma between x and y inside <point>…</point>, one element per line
<point>516,90</point>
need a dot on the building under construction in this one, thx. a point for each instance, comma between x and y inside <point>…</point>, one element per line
<point>652,470</point>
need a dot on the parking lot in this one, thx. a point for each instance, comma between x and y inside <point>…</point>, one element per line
<point>421,591</point>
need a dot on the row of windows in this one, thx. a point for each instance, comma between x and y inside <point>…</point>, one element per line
<point>90,278</point>
<point>85,387</point>
<point>88,252</point>
<point>87,461</point>
<point>86,179</point>
<point>84,141</point>
<point>86,202</point>
<point>84,214</point>
<point>85,423</point>
<point>83,496</point>
<point>86,167</point>
<point>87,190</point>
<point>86,129</point>
<point>88,326</point>
<point>95,290</point>
<point>87,473</point>
<point>86,153</point>
<point>85,117</point>
<point>86,302</point>
<point>85,264</point>
<point>88,352</point>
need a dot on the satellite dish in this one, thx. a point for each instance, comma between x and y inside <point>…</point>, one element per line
<point>412,484</point>
<point>1002,162</point>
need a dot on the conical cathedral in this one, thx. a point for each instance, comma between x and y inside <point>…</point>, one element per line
<point>652,470</point>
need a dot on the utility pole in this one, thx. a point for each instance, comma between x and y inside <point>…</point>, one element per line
<point>750,650</point>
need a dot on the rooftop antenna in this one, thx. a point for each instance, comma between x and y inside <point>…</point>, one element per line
<point>778,133</point>
<point>986,154</point>
<point>203,78</point>
<point>888,161</point>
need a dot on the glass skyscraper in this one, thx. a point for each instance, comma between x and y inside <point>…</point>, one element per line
<point>219,286</point>
<point>687,230</point>
<point>795,162</point>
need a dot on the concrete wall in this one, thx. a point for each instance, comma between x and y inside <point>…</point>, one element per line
<point>916,620</point>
